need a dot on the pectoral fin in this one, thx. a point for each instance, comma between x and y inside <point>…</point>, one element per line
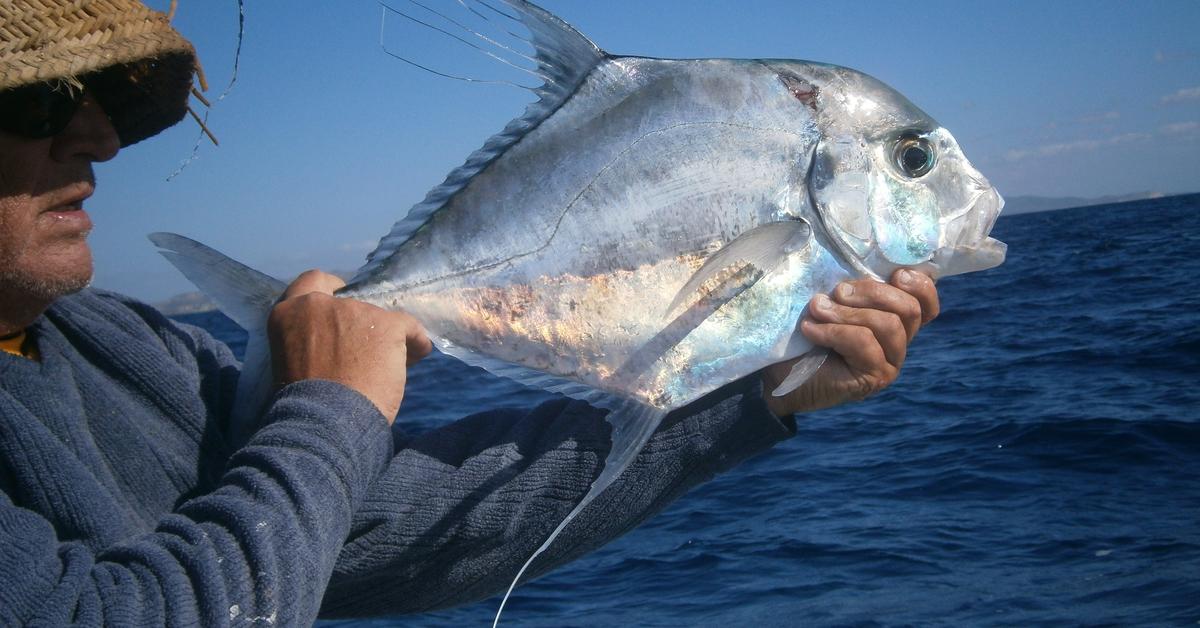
<point>758,251</point>
<point>729,272</point>
<point>640,361</point>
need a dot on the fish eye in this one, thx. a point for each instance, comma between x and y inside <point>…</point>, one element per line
<point>914,156</point>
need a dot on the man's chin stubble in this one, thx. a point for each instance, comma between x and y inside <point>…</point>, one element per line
<point>42,288</point>
<point>45,284</point>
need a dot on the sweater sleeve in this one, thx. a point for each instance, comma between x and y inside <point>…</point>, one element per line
<point>461,508</point>
<point>458,510</point>
<point>261,545</point>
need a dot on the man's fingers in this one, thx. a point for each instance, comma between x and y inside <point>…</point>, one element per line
<point>921,288</point>
<point>856,344</point>
<point>313,281</point>
<point>868,324</point>
<point>416,340</point>
<point>871,294</point>
<point>884,329</point>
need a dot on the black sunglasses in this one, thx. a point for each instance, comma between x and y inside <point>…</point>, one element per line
<point>39,110</point>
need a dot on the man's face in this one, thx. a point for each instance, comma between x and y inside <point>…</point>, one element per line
<point>43,183</point>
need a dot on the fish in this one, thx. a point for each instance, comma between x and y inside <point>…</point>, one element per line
<point>651,229</point>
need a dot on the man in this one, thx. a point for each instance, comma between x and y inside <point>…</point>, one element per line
<point>123,501</point>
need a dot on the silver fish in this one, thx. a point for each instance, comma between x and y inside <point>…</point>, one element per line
<point>651,229</point>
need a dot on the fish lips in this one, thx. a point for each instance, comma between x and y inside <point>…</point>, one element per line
<point>973,249</point>
<point>958,260</point>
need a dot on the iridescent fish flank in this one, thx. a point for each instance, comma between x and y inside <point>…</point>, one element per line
<point>651,229</point>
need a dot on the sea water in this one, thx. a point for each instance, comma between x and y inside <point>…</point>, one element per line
<point>1037,463</point>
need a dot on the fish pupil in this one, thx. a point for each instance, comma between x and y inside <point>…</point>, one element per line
<point>915,159</point>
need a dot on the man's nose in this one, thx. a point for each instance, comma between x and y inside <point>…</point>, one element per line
<point>90,135</point>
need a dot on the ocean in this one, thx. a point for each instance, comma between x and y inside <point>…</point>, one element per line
<point>1037,463</point>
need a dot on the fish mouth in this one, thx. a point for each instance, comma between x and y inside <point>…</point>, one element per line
<point>959,260</point>
<point>968,246</point>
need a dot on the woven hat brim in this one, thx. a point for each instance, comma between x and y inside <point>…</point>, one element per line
<point>158,64</point>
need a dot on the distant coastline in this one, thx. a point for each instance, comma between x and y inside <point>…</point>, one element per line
<point>195,302</point>
<point>186,303</point>
<point>1029,204</point>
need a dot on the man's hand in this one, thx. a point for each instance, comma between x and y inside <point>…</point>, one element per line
<point>315,335</point>
<point>868,326</point>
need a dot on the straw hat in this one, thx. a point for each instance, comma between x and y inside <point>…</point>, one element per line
<point>137,66</point>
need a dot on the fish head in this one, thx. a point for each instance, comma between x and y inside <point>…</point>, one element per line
<point>891,186</point>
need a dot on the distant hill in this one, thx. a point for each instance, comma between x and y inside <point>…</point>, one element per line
<point>1028,204</point>
<point>196,302</point>
<point>186,303</point>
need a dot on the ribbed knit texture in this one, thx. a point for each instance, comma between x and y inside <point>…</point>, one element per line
<point>122,503</point>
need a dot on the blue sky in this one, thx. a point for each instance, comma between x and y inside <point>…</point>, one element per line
<point>326,140</point>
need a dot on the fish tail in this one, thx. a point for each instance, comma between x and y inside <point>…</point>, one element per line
<point>632,424</point>
<point>244,295</point>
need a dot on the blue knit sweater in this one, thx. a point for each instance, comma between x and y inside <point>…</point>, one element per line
<point>123,504</point>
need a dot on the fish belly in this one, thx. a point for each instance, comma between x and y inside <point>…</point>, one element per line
<point>611,330</point>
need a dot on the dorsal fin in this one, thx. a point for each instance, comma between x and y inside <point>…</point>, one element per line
<point>565,58</point>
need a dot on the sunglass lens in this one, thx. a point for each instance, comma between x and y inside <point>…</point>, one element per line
<point>38,111</point>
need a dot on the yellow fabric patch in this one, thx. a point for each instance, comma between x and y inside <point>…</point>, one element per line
<point>16,345</point>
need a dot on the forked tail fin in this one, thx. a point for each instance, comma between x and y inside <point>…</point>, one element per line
<point>244,295</point>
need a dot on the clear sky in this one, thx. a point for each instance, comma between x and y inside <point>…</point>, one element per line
<point>326,140</point>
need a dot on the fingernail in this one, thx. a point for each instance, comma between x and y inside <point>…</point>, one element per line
<point>822,302</point>
<point>906,276</point>
<point>846,290</point>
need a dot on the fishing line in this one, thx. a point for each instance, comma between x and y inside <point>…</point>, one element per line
<point>237,59</point>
